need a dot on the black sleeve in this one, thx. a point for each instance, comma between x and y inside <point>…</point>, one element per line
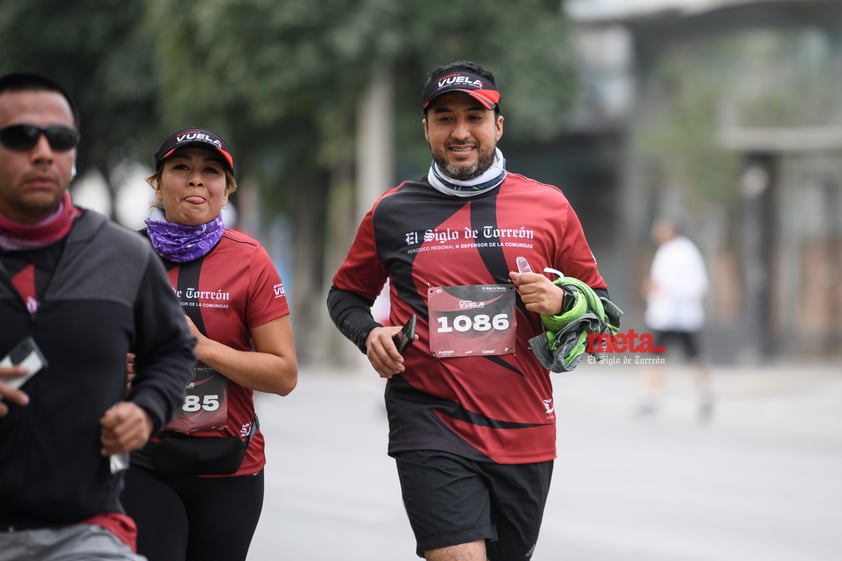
<point>352,315</point>
<point>613,311</point>
<point>163,346</point>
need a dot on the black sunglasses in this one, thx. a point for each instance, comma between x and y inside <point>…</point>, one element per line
<point>25,136</point>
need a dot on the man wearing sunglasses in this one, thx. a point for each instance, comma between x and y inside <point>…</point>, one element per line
<point>77,293</point>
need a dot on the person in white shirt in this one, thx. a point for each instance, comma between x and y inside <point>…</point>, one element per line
<point>675,290</point>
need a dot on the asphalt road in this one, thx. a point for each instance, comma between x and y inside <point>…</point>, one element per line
<point>761,481</point>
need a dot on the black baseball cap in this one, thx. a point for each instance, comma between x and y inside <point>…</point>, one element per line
<point>481,89</point>
<point>202,138</point>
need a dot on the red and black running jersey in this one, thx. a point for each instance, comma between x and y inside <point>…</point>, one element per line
<point>500,407</point>
<point>237,288</point>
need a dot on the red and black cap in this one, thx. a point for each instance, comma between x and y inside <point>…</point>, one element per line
<point>481,89</point>
<point>202,138</point>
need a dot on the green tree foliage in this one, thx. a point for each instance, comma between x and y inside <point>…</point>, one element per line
<point>282,82</point>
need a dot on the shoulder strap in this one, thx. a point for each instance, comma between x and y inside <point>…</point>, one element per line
<point>188,279</point>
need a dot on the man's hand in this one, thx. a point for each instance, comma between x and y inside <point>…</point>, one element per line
<point>382,352</point>
<point>538,293</point>
<point>125,427</point>
<point>7,392</point>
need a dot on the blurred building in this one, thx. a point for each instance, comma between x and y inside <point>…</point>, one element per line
<point>726,115</point>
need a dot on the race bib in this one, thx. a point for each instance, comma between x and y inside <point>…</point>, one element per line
<point>472,320</point>
<point>206,405</point>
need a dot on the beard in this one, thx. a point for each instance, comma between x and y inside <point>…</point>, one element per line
<point>463,173</point>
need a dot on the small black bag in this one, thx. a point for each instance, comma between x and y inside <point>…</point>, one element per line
<point>180,454</point>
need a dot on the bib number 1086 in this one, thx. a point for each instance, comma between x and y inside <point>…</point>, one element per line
<point>471,320</point>
<point>479,322</point>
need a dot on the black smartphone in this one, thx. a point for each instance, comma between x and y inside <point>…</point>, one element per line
<point>406,335</point>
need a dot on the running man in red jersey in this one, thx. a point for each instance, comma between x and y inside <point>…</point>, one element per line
<point>470,407</point>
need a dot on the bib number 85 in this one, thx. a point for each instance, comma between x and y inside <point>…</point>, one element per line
<point>192,403</point>
<point>479,322</point>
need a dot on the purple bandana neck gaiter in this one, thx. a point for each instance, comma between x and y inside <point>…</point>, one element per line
<point>181,243</point>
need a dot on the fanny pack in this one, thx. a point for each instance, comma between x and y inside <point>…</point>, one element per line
<point>179,454</point>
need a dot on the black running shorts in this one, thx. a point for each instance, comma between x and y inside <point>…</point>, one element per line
<point>688,339</point>
<point>451,500</point>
